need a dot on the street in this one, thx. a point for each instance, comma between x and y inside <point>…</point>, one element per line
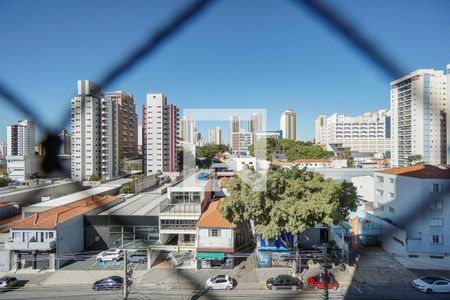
<point>243,291</point>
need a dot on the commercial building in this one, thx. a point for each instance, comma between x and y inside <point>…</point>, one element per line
<point>160,132</point>
<point>288,125</point>
<point>21,138</point>
<point>369,132</point>
<point>255,123</point>
<point>38,240</point>
<point>127,131</point>
<point>419,116</point>
<point>94,147</point>
<point>187,130</point>
<point>215,136</point>
<point>240,141</point>
<point>409,219</point>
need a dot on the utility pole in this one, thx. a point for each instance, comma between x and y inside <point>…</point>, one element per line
<point>326,275</point>
<point>125,277</point>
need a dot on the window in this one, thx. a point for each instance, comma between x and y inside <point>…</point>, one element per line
<point>436,204</point>
<point>214,232</point>
<point>391,195</point>
<point>391,209</point>
<point>437,187</point>
<point>391,180</point>
<point>380,179</point>
<point>437,239</point>
<point>436,222</point>
<point>380,192</point>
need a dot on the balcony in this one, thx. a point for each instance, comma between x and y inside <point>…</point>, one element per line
<point>46,245</point>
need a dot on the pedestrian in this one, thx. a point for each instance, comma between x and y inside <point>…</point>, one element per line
<point>342,266</point>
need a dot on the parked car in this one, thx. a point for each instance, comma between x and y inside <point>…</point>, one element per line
<point>137,257</point>
<point>319,281</point>
<point>7,283</point>
<point>284,282</point>
<point>110,283</point>
<point>432,284</point>
<point>110,255</point>
<point>220,282</point>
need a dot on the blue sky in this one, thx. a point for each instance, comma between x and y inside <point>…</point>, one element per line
<point>243,54</point>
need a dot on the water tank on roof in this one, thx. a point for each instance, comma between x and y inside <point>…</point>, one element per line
<point>202,176</point>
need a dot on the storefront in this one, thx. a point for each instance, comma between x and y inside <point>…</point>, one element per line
<point>213,260</point>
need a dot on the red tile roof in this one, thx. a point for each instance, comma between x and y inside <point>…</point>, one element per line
<point>211,218</point>
<point>54,216</point>
<point>299,161</point>
<point>7,223</point>
<point>421,171</point>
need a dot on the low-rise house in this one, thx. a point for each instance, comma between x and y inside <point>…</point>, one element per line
<point>40,239</point>
<point>312,163</point>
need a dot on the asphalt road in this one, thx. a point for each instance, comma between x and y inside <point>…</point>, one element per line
<point>391,292</point>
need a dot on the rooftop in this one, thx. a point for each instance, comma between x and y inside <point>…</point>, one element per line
<point>54,216</point>
<point>423,171</point>
<point>299,161</point>
<point>211,217</point>
<point>193,181</point>
<point>144,204</point>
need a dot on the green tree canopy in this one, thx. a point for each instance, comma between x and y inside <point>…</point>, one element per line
<point>3,182</point>
<point>292,150</point>
<point>94,177</point>
<point>294,200</point>
<point>210,150</point>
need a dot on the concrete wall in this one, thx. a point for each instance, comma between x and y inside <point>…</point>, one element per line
<point>145,182</point>
<point>225,240</point>
<point>34,195</point>
<point>70,238</point>
<point>364,187</point>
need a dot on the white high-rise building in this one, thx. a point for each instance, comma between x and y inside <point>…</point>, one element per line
<point>369,132</point>
<point>255,123</point>
<point>288,125</point>
<point>419,110</point>
<point>160,135</point>
<point>20,138</point>
<point>3,149</point>
<point>215,136</point>
<point>94,146</point>
<point>187,130</point>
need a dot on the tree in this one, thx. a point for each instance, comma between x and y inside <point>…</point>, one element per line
<point>415,159</point>
<point>292,150</point>
<point>3,182</point>
<point>210,150</point>
<point>126,189</point>
<point>94,177</point>
<point>293,200</point>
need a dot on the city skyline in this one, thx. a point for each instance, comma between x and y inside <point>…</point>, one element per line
<point>289,88</point>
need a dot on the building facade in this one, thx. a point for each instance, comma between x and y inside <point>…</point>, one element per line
<point>187,130</point>
<point>127,131</point>
<point>65,138</point>
<point>240,141</point>
<point>288,124</point>
<point>255,122</point>
<point>160,132</point>
<point>94,134</point>
<point>21,138</point>
<point>215,136</point>
<point>369,132</point>
<point>419,117</point>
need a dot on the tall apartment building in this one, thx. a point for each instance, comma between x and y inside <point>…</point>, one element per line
<point>20,138</point>
<point>215,136</point>
<point>419,110</point>
<point>65,138</point>
<point>160,132</point>
<point>369,132</point>
<point>288,124</point>
<point>187,130</point>
<point>94,147</point>
<point>3,149</point>
<point>255,122</point>
<point>127,118</point>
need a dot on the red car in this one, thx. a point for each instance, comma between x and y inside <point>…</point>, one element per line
<point>318,281</point>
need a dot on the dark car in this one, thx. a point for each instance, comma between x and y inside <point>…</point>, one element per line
<point>319,281</point>
<point>110,283</point>
<point>7,283</point>
<point>137,257</point>
<point>284,282</point>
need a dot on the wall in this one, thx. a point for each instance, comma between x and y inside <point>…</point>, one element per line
<point>33,195</point>
<point>364,187</point>
<point>145,182</point>
<point>70,238</point>
<point>225,240</point>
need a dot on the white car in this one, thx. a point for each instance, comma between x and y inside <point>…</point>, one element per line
<point>220,282</point>
<point>432,284</point>
<point>110,255</point>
